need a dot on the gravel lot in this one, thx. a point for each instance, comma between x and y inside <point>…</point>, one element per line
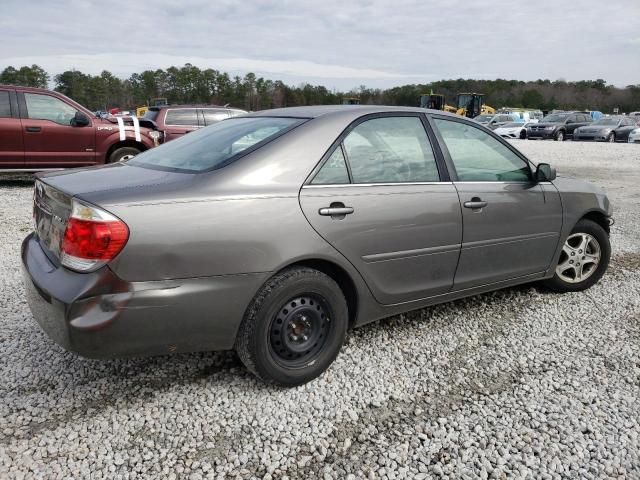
<point>516,384</point>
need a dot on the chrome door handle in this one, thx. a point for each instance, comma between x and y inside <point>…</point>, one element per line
<point>476,202</point>
<point>335,211</point>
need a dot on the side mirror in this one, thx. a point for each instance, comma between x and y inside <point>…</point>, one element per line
<point>545,173</point>
<point>80,120</point>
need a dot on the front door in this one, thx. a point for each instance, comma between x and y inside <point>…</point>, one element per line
<point>379,201</point>
<point>511,223</point>
<point>11,144</point>
<point>50,138</point>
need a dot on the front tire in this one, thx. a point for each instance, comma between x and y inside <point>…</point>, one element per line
<point>123,153</point>
<point>523,134</point>
<point>559,136</point>
<point>611,138</point>
<point>293,328</point>
<point>584,258</point>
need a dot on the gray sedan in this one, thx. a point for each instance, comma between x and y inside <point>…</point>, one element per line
<point>609,129</point>
<point>274,233</point>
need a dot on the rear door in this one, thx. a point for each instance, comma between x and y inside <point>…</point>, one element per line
<point>50,139</point>
<point>511,222</point>
<point>383,200</point>
<point>11,143</point>
<point>179,122</point>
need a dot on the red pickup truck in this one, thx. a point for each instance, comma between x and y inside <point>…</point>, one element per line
<point>42,129</point>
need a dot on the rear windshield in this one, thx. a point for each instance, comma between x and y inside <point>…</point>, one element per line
<point>215,146</point>
<point>151,114</point>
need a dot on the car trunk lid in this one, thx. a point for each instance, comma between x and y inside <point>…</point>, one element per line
<point>120,183</point>
<point>51,210</point>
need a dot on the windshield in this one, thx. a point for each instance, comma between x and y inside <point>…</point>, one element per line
<point>606,121</point>
<point>556,117</point>
<point>215,146</point>
<point>483,118</point>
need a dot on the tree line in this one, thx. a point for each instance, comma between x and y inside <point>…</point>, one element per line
<point>190,84</point>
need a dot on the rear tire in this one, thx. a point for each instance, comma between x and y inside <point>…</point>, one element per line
<point>293,328</point>
<point>584,258</point>
<point>123,153</point>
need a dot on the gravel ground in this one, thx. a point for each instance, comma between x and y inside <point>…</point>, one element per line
<point>515,384</point>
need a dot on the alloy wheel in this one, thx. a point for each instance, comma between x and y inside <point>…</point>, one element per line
<point>579,259</point>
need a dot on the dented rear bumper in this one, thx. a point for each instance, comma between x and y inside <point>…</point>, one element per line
<point>98,315</point>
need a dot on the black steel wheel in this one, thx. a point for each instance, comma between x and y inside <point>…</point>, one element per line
<point>294,327</point>
<point>300,330</point>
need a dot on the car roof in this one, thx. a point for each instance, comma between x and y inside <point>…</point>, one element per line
<point>326,110</point>
<point>193,105</point>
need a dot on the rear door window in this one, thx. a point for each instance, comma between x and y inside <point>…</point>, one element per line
<point>390,150</point>
<point>334,171</point>
<point>181,117</point>
<point>5,104</point>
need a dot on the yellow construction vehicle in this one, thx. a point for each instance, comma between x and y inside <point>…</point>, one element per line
<point>152,102</point>
<point>435,101</point>
<point>472,104</point>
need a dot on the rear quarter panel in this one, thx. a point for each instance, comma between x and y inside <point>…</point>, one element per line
<point>218,236</point>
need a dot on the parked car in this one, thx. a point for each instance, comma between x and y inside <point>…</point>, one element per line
<point>522,115</point>
<point>512,130</point>
<point>175,121</point>
<point>41,129</point>
<point>496,120</point>
<point>607,129</point>
<point>275,232</point>
<point>558,126</point>
<point>634,136</point>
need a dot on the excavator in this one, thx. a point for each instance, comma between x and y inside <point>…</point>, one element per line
<point>472,104</point>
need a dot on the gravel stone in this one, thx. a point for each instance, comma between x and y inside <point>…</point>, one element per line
<point>519,383</point>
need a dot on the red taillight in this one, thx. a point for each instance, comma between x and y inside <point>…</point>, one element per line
<point>92,238</point>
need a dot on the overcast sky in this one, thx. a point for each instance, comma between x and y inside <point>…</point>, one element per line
<point>340,44</point>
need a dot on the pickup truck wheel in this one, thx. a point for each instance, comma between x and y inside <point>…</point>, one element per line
<point>123,153</point>
<point>583,260</point>
<point>294,327</point>
<point>559,136</point>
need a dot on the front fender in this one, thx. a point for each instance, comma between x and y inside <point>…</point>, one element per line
<point>579,199</point>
